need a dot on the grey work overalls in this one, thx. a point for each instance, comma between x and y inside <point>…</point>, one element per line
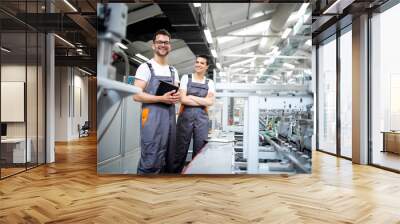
<point>158,126</point>
<point>192,120</point>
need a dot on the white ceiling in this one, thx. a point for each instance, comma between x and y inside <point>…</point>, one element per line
<point>237,30</point>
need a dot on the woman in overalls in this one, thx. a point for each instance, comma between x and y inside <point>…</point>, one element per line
<point>197,93</point>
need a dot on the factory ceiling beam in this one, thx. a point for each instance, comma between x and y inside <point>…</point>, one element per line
<point>278,21</point>
<point>228,29</point>
<point>265,56</point>
<point>176,45</point>
<point>259,87</point>
<point>143,14</point>
<point>186,22</point>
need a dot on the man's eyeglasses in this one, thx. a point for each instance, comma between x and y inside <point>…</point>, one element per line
<point>158,42</point>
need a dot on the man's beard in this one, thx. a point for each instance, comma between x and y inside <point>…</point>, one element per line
<point>158,53</point>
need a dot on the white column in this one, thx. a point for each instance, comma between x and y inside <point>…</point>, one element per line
<point>246,130</point>
<point>314,91</point>
<point>253,129</point>
<point>360,90</point>
<point>50,99</point>
<point>225,113</point>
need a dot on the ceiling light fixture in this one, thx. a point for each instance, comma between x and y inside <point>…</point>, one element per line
<point>197,5</point>
<point>308,43</point>
<point>84,71</point>
<point>214,53</point>
<point>333,8</point>
<point>5,50</point>
<point>136,60</point>
<point>70,5</point>
<point>218,65</point>
<point>287,65</point>
<point>141,57</point>
<point>208,36</point>
<point>257,14</point>
<point>121,45</point>
<point>65,41</point>
<point>286,33</point>
<point>302,10</point>
<point>306,17</point>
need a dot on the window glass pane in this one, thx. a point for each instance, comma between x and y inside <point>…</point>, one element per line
<point>346,94</point>
<point>385,89</point>
<point>327,97</point>
<point>31,96</point>
<point>15,150</point>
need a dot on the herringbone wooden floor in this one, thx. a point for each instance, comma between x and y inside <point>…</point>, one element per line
<point>70,191</point>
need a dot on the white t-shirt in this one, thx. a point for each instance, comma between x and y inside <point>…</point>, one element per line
<point>143,72</point>
<point>185,79</point>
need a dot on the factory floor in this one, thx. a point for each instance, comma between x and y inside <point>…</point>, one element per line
<point>70,191</point>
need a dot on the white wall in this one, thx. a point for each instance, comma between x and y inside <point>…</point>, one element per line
<point>71,103</point>
<point>17,73</point>
<point>33,126</point>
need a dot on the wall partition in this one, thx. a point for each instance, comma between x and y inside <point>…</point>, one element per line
<point>334,90</point>
<point>346,93</point>
<point>327,96</point>
<point>22,78</point>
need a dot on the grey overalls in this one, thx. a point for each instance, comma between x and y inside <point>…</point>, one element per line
<point>158,129</point>
<point>191,120</point>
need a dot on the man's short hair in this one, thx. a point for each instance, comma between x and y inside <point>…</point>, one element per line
<point>204,56</point>
<point>162,32</point>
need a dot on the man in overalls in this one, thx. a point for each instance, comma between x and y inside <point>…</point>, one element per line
<point>158,124</point>
<point>197,93</point>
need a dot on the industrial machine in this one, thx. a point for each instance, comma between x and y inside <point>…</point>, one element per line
<point>285,138</point>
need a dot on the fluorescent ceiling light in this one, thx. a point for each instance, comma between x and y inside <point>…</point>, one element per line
<point>334,5</point>
<point>214,53</point>
<point>293,17</point>
<point>5,49</point>
<point>274,51</point>
<point>86,72</point>
<point>121,45</point>
<point>197,5</point>
<point>208,36</point>
<point>65,41</point>
<point>302,10</point>
<point>218,65</point>
<point>287,65</point>
<point>286,33</point>
<point>70,5</point>
<point>269,61</point>
<point>141,57</point>
<point>136,60</point>
<point>306,17</point>
<point>276,77</point>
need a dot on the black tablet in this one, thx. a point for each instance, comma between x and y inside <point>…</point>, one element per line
<point>165,87</point>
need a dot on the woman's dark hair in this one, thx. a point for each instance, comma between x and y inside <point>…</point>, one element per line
<point>203,56</point>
